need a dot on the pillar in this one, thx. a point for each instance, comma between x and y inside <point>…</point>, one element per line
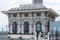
<point>39,36</point>
<point>43,28</point>
<point>10,28</point>
<point>18,29</point>
<point>22,29</point>
<point>34,30</point>
<point>30,29</point>
<point>35,37</point>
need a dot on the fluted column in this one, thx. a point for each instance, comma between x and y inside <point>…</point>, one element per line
<point>18,29</point>
<point>10,28</point>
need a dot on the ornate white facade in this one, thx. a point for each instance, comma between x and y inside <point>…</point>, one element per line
<point>30,22</point>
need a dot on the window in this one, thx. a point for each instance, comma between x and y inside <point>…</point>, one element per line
<point>26,14</point>
<point>38,26</point>
<point>9,15</point>
<point>26,28</point>
<point>14,15</point>
<point>38,14</point>
<point>14,28</point>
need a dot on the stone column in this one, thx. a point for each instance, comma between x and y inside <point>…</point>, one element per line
<point>39,36</point>
<point>18,29</point>
<point>22,29</point>
<point>30,29</point>
<point>10,28</point>
<point>34,30</point>
<point>35,38</point>
<point>43,28</point>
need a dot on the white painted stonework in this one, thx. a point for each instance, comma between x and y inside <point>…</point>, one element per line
<point>46,16</point>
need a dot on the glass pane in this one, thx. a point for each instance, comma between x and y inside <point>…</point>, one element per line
<point>26,28</point>
<point>26,14</point>
<point>38,28</point>
<point>38,14</point>
<point>38,25</point>
<point>14,15</point>
<point>14,27</point>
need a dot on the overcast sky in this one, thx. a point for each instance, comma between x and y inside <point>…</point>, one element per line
<point>7,4</point>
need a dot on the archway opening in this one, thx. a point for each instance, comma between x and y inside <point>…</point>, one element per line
<point>14,28</point>
<point>38,27</point>
<point>26,28</point>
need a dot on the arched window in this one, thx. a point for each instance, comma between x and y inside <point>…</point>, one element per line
<point>14,28</point>
<point>26,28</point>
<point>38,27</point>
